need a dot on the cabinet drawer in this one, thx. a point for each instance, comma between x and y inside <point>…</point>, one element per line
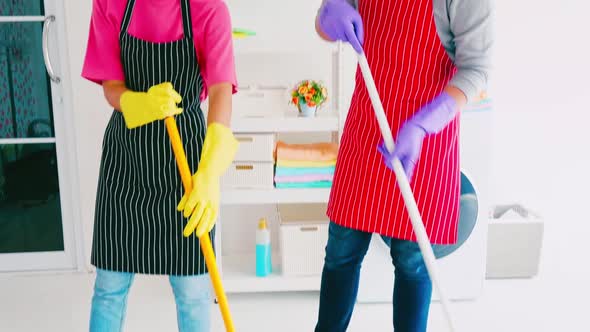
<point>255,147</point>
<point>255,175</point>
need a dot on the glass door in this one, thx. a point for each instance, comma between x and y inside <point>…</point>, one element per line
<point>36,232</point>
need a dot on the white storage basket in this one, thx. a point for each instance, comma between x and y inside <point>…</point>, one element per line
<point>255,147</point>
<point>261,101</point>
<point>515,242</point>
<point>303,238</point>
<point>249,175</point>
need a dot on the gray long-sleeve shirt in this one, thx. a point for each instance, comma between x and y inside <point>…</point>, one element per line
<point>466,32</point>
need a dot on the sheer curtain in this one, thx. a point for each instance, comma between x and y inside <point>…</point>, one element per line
<point>24,107</point>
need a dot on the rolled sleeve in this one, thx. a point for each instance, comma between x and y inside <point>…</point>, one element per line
<point>102,61</point>
<point>472,30</point>
<point>216,52</point>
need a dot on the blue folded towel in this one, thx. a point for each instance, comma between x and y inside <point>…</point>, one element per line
<point>288,171</point>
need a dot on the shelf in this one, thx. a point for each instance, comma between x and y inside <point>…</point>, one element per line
<point>238,274</point>
<point>285,123</point>
<point>274,196</point>
<point>275,44</point>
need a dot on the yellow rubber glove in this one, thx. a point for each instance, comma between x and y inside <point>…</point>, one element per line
<point>202,203</point>
<point>141,108</point>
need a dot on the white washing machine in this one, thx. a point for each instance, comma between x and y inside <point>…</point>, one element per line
<point>462,266</point>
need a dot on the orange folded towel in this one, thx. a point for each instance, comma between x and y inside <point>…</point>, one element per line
<point>306,152</point>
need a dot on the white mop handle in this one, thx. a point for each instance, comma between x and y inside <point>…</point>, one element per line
<point>376,101</point>
<point>405,188</point>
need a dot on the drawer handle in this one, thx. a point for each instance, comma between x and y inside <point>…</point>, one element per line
<point>245,139</point>
<point>244,167</point>
<point>310,229</point>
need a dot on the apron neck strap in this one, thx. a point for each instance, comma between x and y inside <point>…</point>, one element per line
<point>127,16</point>
<point>185,13</point>
<point>186,18</point>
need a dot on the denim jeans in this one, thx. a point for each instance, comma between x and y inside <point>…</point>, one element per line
<point>345,251</point>
<point>192,294</point>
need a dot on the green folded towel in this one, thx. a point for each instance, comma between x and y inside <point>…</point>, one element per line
<point>315,184</point>
<point>287,171</point>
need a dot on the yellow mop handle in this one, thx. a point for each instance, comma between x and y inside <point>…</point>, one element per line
<point>185,175</point>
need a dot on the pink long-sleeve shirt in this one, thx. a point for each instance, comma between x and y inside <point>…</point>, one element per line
<point>160,21</point>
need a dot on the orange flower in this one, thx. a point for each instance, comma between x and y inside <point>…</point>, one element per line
<point>308,98</point>
<point>303,90</point>
<point>310,103</point>
<point>295,100</point>
<point>312,91</point>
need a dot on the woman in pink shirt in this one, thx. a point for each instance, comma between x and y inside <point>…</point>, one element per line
<point>154,59</point>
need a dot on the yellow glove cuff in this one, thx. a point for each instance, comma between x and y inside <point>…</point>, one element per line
<point>129,100</point>
<point>219,150</point>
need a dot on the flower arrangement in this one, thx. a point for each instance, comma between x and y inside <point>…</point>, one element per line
<point>309,93</point>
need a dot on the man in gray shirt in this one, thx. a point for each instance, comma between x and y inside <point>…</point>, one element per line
<point>429,58</point>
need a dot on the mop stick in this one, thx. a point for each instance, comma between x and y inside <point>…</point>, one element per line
<point>185,175</point>
<point>405,188</point>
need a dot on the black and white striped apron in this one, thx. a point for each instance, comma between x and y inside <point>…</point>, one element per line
<point>137,228</point>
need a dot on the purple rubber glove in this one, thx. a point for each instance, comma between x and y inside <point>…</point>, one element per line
<point>430,119</point>
<point>340,21</point>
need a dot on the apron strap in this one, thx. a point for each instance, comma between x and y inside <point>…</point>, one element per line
<point>127,17</point>
<point>186,18</point>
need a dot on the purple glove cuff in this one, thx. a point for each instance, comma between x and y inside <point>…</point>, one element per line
<point>437,114</point>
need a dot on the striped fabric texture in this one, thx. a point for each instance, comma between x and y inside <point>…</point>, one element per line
<point>410,67</point>
<point>137,228</point>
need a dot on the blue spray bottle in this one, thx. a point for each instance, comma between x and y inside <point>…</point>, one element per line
<point>263,250</point>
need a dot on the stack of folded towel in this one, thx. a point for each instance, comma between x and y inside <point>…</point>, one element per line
<point>305,165</point>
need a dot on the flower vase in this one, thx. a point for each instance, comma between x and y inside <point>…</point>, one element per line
<point>306,110</point>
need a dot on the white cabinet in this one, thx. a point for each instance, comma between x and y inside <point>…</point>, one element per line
<point>253,164</point>
<point>261,107</point>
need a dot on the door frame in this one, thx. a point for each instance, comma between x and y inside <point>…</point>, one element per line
<point>73,257</point>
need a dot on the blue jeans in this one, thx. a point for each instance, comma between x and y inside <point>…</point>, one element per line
<point>192,294</point>
<point>345,251</point>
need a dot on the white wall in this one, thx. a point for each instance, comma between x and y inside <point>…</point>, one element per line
<point>541,156</point>
<point>540,87</point>
<point>541,153</point>
<point>90,111</point>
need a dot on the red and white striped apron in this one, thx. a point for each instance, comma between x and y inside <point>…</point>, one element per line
<point>410,67</point>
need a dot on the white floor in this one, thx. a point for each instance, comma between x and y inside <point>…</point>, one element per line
<point>557,300</point>
<point>61,303</point>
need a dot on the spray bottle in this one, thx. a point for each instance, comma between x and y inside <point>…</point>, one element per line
<point>263,250</point>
